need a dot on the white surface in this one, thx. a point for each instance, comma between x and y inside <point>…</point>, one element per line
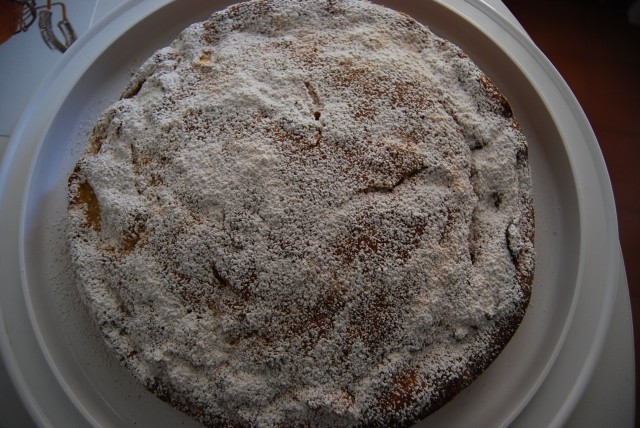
<point>608,401</point>
<point>4,141</point>
<point>623,287</point>
<point>26,60</point>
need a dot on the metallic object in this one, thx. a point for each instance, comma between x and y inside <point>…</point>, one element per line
<point>28,14</point>
<point>46,28</point>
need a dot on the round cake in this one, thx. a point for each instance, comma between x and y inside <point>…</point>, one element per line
<point>305,213</point>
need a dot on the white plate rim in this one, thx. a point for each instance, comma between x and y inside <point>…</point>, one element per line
<point>590,155</point>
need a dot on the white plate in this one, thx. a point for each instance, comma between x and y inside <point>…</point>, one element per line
<point>54,354</point>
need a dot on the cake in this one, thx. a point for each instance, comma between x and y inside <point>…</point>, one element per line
<point>305,213</point>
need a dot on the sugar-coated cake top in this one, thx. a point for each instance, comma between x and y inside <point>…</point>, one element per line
<point>312,213</point>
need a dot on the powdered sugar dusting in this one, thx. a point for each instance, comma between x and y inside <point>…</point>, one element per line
<point>305,213</point>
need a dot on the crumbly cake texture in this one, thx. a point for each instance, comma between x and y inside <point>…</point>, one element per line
<point>305,213</point>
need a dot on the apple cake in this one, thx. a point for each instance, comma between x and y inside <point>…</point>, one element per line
<point>305,213</point>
